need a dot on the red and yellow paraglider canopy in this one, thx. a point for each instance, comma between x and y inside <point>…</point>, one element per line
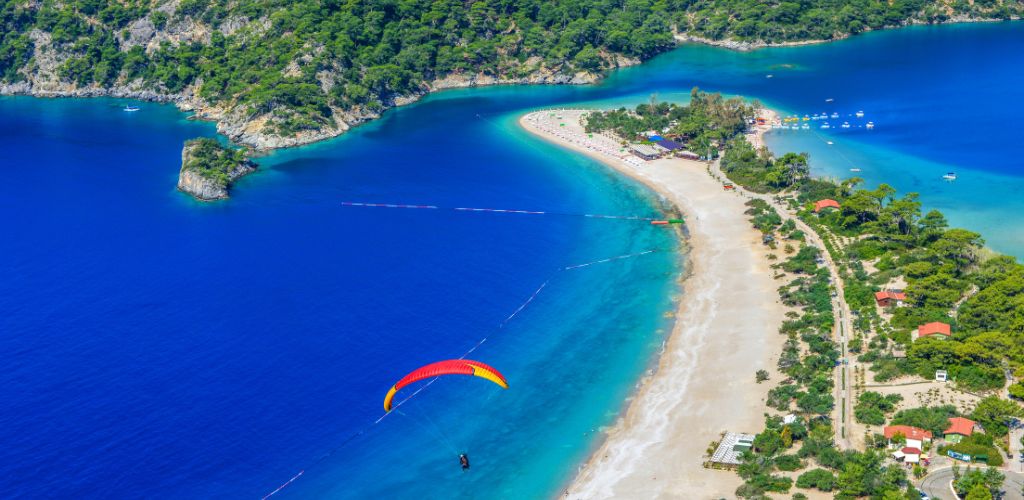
<point>449,367</point>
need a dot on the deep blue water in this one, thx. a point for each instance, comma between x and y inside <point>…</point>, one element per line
<point>159,347</point>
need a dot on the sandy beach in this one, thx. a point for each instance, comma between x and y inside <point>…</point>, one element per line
<point>726,329</point>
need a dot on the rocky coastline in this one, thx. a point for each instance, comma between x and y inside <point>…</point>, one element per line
<point>244,129</point>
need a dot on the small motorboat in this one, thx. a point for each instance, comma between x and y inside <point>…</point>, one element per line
<point>805,127</point>
<point>834,115</point>
<point>854,170</point>
<point>829,99</point>
<point>769,76</point>
<point>870,125</point>
<point>130,109</point>
<point>951,176</point>
<point>829,143</point>
<point>860,114</point>
<point>824,125</point>
<point>845,125</point>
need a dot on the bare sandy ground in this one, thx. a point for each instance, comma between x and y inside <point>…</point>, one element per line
<point>726,329</point>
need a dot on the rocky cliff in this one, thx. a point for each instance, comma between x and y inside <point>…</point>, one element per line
<point>208,170</point>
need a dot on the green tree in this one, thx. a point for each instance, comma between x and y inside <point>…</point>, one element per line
<point>994,414</point>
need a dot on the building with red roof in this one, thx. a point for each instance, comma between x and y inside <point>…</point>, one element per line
<point>888,298</point>
<point>908,454</point>
<point>959,428</point>
<point>935,329</point>
<point>823,204</point>
<point>914,437</point>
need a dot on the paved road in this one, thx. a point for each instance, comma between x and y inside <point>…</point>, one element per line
<point>1016,449</point>
<point>843,392</point>
<point>936,484</point>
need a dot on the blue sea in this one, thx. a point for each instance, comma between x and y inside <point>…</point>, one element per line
<point>155,346</point>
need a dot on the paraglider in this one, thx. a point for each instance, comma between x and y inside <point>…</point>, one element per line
<point>450,367</point>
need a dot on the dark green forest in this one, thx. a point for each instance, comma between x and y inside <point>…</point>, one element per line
<point>300,62</point>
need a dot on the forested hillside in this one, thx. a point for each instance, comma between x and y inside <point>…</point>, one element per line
<point>302,70</point>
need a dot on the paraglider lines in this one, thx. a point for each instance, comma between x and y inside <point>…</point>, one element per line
<point>476,346</point>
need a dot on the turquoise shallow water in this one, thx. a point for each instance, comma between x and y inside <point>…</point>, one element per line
<point>157,347</point>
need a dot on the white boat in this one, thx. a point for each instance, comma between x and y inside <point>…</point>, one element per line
<point>769,76</point>
<point>860,114</point>
<point>824,125</point>
<point>951,176</point>
<point>854,170</point>
<point>829,143</point>
<point>130,108</point>
<point>845,125</point>
<point>805,126</point>
<point>870,125</point>
<point>829,99</point>
<point>834,115</point>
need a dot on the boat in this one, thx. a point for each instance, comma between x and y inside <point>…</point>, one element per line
<point>829,143</point>
<point>130,108</point>
<point>824,125</point>
<point>854,170</point>
<point>829,99</point>
<point>951,176</point>
<point>769,76</point>
<point>846,125</point>
<point>806,118</point>
<point>834,115</point>
<point>870,125</point>
<point>805,126</point>
<point>860,114</point>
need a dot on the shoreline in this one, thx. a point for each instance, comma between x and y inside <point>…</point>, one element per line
<point>703,383</point>
<point>241,129</point>
<point>744,46</point>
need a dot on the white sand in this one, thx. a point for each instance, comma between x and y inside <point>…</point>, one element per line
<point>726,329</point>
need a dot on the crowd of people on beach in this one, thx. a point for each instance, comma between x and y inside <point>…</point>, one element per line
<point>554,122</point>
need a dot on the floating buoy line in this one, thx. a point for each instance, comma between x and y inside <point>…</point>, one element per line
<point>652,220</point>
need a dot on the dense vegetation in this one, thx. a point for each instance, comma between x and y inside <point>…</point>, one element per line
<point>826,19</point>
<point>301,63</point>
<point>212,160</point>
<point>706,122</point>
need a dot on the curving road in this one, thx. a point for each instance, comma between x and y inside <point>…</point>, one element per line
<point>936,484</point>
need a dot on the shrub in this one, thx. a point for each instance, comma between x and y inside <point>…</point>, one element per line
<point>788,463</point>
<point>817,478</point>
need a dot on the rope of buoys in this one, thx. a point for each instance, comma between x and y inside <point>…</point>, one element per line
<point>652,220</point>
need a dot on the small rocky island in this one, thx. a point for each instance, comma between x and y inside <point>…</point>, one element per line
<point>208,168</point>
